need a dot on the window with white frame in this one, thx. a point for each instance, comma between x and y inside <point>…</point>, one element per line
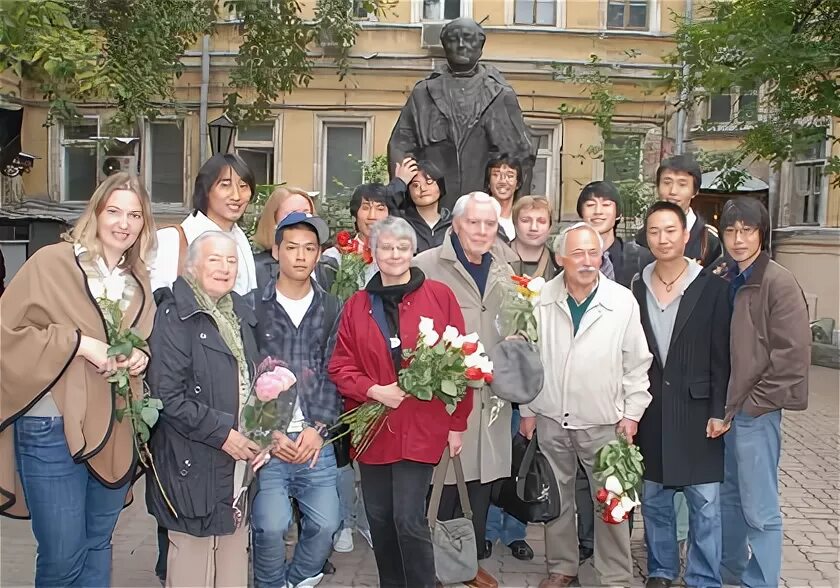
<point>535,12</point>
<point>164,157</point>
<point>731,105</point>
<point>255,145</point>
<point>542,177</point>
<point>343,145</point>
<point>628,14</point>
<point>623,157</point>
<point>808,184</point>
<point>79,163</point>
<point>359,10</point>
<point>441,9</point>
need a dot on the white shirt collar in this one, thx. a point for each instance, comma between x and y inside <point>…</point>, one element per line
<point>690,219</point>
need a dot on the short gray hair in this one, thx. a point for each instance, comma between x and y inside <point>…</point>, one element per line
<point>194,251</point>
<point>479,197</point>
<point>560,240</point>
<point>395,226</point>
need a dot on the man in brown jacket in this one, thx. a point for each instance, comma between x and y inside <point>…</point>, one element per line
<point>770,343</point>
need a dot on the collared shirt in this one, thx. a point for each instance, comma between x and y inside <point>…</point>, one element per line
<point>690,219</point>
<point>578,310</point>
<point>662,317</point>
<point>737,280</point>
<point>165,266</point>
<point>302,347</point>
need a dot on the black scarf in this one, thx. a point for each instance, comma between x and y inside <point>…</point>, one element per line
<point>385,304</point>
<point>478,271</point>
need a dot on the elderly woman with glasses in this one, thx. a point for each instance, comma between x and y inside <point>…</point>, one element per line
<point>203,354</point>
<point>396,469</point>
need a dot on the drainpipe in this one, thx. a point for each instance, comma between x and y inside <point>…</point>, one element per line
<point>679,145</point>
<point>202,111</point>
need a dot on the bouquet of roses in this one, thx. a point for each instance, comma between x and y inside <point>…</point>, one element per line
<point>619,464</point>
<point>516,316</point>
<point>262,414</point>
<point>351,267</point>
<point>440,366</point>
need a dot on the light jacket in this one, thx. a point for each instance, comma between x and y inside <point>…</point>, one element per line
<point>599,375</point>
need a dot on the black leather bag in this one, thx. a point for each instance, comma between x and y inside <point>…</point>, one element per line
<point>531,493</point>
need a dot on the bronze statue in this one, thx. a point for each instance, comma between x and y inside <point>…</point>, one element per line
<point>462,116</point>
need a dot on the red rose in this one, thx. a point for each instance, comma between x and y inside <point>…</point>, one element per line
<point>488,378</point>
<point>521,280</point>
<point>607,517</point>
<point>343,238</point>
<point>469,348</point>
<point>602,495</point>
<point>613,503</point>
<point>367,256</point>
<point>353,247</point>
<point>473,373</point>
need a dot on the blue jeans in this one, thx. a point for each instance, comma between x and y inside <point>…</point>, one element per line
<point>704,544</point>
<point>353,515</point>
<point>500,525</point>
<point>271,515</point>
<point>750,501</point>
<point>73,514</point>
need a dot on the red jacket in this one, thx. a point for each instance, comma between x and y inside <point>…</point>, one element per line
<point>417,430</point>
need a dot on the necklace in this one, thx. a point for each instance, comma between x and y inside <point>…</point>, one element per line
<point>670,285</point>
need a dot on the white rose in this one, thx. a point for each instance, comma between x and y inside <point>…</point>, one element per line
<point>613,485</point>
<point>480,348</point>
<point>473,360</point>
<point>627,503</point>
<point>486,365</point>
<point>536,285</point>
<point>618,513</point>
<point>471,338</point>
<point>431,338</point>
<point>114,286</point>
<point>458,342</point>
<point>427,325</point>
<point>450,334</point>
<point>97,289</point>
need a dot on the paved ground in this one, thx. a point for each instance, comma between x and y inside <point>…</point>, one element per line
<point>810,486</point>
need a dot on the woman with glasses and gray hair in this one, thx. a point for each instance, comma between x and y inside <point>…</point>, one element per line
<point>377,324</point>
<point>203,351</point>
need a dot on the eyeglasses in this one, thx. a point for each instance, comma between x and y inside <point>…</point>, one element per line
<point>402,248</point>
<point>732,232</point>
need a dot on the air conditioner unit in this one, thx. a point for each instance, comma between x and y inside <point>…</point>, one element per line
<point>112,164</point>
<point>326,40</point>
<point>430,36</point>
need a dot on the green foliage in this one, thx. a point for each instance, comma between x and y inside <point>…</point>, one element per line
<point>251,218</point>
<point>127,53</point>
<point>623,460</point>
<point>434,372</point>
<point>789,48</point>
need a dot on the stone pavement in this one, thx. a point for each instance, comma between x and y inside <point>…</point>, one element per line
<point>810,486</point>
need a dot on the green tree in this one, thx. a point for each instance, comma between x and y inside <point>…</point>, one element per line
<point>788,48</point>
<point>127,53</point>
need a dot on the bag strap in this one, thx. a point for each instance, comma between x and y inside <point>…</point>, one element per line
<point>542,265</point>
<point>437,488</point>
<point>182,246</point>
<point>527,460</point>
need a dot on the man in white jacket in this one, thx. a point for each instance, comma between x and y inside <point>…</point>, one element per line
<point>596,386</point>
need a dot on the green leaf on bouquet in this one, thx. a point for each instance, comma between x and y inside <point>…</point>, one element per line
<point>123,348</point>
<point>155,403</point>
<point>119,413</point>
<point>149,415</point>
<point>448,387</point>
<point>424,394</point>
<point>143,433</point>
<point>248,414</point>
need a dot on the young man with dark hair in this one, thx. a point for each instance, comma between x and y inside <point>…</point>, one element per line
<point>503,179</point>
<point>678,180</point>
<point>297,325</point>
<point>685,315</point>
<point>770,347</point>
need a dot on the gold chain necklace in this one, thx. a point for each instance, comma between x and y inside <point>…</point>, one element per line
<point>670,285</point>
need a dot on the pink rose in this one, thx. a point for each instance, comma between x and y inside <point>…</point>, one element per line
<point>271,384</point>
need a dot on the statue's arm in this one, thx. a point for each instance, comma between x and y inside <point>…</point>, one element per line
<point>404,138</point>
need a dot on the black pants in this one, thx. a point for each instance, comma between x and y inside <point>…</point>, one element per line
<point>450,507</point>
<point>163,552</point>
<point>395,500</point>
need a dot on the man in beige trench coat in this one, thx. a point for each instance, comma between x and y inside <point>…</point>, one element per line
<point>474,264</point>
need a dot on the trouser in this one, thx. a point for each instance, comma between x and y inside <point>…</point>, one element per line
<point>704,533</point>
<point>395,495</point>
<point>564,448</point>
<point>585,510</point>
<point>479,495</point>
<point>73,514</point>
<point>213,562</point>
<point>500,525</point>
<point>749,501</point>
<point>316,493</point>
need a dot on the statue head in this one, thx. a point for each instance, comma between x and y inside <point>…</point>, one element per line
<point>462,40</point>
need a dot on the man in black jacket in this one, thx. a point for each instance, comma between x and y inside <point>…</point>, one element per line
<point>685,314</point>
<point>678,180</point>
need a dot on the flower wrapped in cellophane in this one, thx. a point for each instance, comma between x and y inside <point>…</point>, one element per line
<point>516,315</point>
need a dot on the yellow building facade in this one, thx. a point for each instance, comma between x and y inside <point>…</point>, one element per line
<point>316,133</point>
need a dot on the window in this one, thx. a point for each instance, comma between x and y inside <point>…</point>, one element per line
<point>79,158</point>
<point>441,9</point>
<point>623,157</point>
<point>343,145</point>
<point>165,161</point>
<point>739,105</point>
<point>627,14</point>
<point>255,145</point>
<point>541,177</point>
<point>359,11</point>
<point>808,184</point>
<point>535,12</point>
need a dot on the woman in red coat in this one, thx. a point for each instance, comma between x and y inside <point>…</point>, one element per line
<point>396,469</point>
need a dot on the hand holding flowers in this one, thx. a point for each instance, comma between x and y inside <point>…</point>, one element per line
<point>620,465</point>
<point>516,316</point>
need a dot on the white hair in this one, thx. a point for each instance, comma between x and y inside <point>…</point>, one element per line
<point>560,240</point>
<point>195,249</point>
<point>395,226</point>
<point>478,197</point>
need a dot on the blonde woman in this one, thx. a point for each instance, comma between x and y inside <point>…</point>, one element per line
<point>64,458</point>
<point>282,202</point>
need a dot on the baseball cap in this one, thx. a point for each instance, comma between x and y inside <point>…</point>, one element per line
<point>304,218</point>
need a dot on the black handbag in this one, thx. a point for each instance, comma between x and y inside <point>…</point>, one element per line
<point>531,494</point>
